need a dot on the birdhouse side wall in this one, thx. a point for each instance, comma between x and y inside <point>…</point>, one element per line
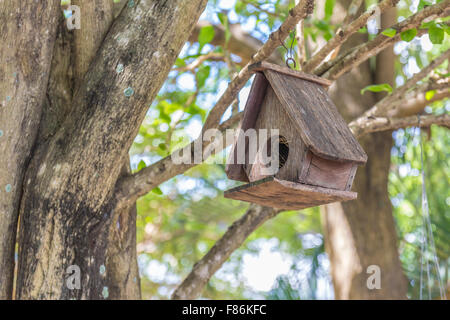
<point>327,173</point>
<point>273,116</point>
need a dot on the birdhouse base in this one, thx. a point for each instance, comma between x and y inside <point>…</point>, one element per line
<point>287,195</point>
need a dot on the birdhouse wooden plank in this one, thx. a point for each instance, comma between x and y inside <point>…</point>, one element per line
<point>318,155</point>
<point>282,194</point>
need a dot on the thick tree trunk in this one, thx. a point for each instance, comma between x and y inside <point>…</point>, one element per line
<point>121,257</point>
<point>361,233</point>
<point>27,35</point>
<point>102,80</point>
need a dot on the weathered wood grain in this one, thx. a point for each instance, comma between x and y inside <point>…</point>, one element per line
<point>351,177</point>
<point>327,173</point>
<point>252,107</point>
<point>273,116</point>
<point>287,195</point>
<point>264,65</point>
<point>318,122</point>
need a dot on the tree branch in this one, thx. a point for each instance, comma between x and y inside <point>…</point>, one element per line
<point>377,124</point>
<point>192,286</point>
<point>300,37</point>
<point>256,215</point>
<point>352,13</point>
<point>89,150</point>
<point>373,47</point>
<point>385,106</point>
<point>138,184</point>
<point>233,238</point>
<point>415,102</point>
<point>345,33</point>
<point>258,7</point>
<point>132,187</point>
<point>215,56</point>
<point>299,12</point>
<point>240,43</point>
<point>95,15</point>
<point>194,283</point>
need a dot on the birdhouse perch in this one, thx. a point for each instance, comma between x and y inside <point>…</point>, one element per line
<point>318,155</point>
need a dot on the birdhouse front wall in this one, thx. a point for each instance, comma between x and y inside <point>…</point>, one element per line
<point>273,116</point>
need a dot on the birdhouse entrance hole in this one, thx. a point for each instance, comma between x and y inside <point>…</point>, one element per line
<point>283,150</point>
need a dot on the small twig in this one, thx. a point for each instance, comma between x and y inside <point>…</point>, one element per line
<point>377,124</point>
<point>345,33</point>
<point>258,7</point>
<point>381,41</point>
<point>299,12</point>
<point>352,12</point>
<point>386,103</point>
<point>215,56</point>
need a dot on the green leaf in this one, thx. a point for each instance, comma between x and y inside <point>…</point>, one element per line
<point>436,34</point>
<point>205,35</point>
<point>423,4</point>
<point>430,94</point>
<point>426,25</point>
<point>363,30</point>
<point>141,165</point>
<point>158,191</point>
<point>447,29</point>
<point>377,88</point>
<point>202,75</point>
<point>224,20</point>
<point>408,35</point>
<point>180,62</point>
<point>329,6</point>
<point>239,7</point>
<point>389,32</point>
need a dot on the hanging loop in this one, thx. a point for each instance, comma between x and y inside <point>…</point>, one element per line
<point>290,57</point>
<point>289,60</point>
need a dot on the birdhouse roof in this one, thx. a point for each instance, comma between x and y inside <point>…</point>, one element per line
<point>307,103</point>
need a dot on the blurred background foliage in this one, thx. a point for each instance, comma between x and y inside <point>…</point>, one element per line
<point>180,221</point>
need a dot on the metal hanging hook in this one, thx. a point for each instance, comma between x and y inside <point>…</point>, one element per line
<point>290,57</point>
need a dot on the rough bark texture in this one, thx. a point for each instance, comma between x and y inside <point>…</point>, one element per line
<point>361,233</point>
<point>96,18</point>
<point>66,212</point>
<point>27,35</point>
<point>122,274</point>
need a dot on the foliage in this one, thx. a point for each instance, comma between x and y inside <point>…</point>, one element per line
<point>405,191</point>
<point>378,88</point>
<point>181,220</point>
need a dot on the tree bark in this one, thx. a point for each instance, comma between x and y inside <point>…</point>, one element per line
<point>361,233</point>
<point>27,36</point>
<point>122,274</point>
<point>67,214</point>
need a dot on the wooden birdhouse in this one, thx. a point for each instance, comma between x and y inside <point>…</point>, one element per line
<point>317,153</point>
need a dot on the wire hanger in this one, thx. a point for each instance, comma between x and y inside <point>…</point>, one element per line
<point>290,53</point>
